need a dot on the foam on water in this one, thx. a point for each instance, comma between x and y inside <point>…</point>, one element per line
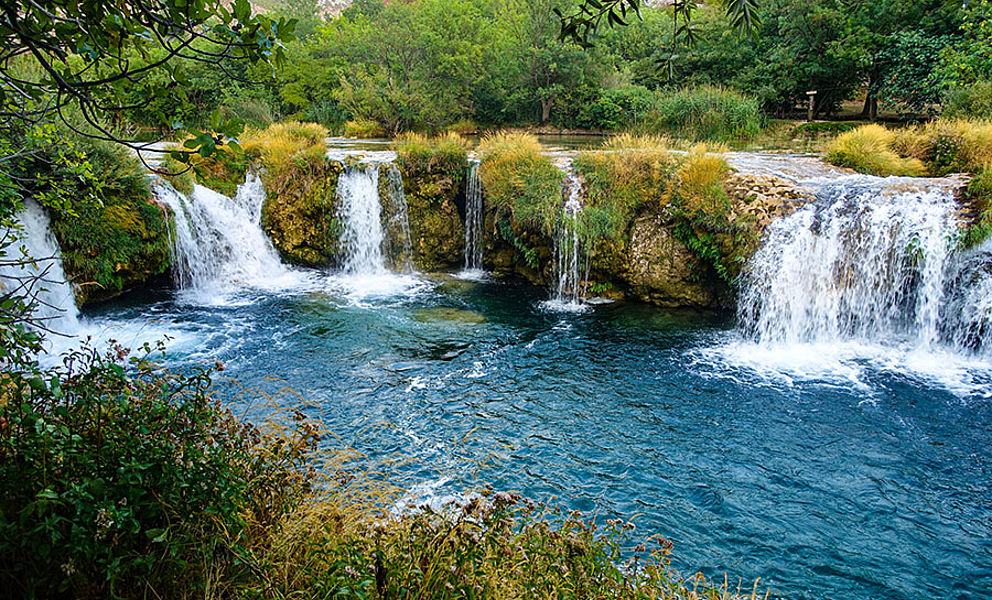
<point>867,276</point>
<point>220,253</point>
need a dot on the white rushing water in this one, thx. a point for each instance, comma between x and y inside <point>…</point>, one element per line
<point>37,272</point>
<point>361,218</point>
<point>366,239</point>
<point>219,245</point>
<point>869,273</point>
<point>473,220</point>
<point>571,260</point>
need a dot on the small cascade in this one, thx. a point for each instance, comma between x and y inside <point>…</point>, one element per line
<point>42,276</point>
<point>361,217</point>
<point>473,219</point>
<point>218,241</point>
<point>571,264</point>
<point>870,261</point>
<point>399,247</point>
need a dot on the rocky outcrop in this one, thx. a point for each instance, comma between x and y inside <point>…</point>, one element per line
<point>437,231</point>
<point>759,199</point>
<point>662,271</point>
<point>300,215</point>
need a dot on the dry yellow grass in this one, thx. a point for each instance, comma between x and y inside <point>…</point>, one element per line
<point>871,149</point>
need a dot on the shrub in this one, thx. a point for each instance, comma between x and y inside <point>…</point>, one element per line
<point>705,113</point>
<point>869,149</point>
<point>519,180</point>
<point>363,128</point>
<point>617,108</point>
<point>973,101</point>
<point>445,154</point>
<point>123,482</point>
<point>626,173</point>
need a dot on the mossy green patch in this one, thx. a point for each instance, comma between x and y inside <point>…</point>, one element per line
<point>300,213</point>
<point>434,172</point>
<point>116,237</point>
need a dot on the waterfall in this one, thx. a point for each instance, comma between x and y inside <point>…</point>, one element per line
<point>399,247</point>
<point>361,217</point>
<point>473,219</point>
<point>571,264</point>
<point>39,274</point>
<point>218,241</point>
<point>870,261</point>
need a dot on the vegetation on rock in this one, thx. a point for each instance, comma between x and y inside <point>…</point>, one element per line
<point>434,172</point>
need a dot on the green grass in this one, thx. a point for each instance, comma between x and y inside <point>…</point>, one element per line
<point>705,113</point>
<point>519,181</point>
<point>444,155</point>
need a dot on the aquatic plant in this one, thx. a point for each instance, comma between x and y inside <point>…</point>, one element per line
<point>704,113</point>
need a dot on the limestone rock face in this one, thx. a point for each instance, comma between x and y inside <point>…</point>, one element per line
<point>760,199</point>
<point>662,270</point>
<point>301,216</point>
<point>436,229</point>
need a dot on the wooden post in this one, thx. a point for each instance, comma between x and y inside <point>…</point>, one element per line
<point>812,105</point>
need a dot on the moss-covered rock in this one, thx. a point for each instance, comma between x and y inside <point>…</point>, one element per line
<point>300,213</point>
<point>434,172</point>
<point>113,237</point>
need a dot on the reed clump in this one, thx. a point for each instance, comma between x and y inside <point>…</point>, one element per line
<point>705,113</point>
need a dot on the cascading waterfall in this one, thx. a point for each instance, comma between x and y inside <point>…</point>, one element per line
<point>361,216</point>
<point>473,219</point>
<point>218,241</point>
<point>870,261</point>
<point>399,246</point>
<point>571,262</point>
<point>42,276</point>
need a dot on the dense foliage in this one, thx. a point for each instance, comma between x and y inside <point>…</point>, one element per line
<point>383,68</point>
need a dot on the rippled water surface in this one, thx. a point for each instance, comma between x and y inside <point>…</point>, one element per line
<point>826,476</point>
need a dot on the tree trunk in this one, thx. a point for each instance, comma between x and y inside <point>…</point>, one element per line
<point>545,110</point>
<point>870,110</point>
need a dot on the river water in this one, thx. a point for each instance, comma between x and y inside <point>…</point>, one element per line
<point>832,438</point>
<point>869,482</point>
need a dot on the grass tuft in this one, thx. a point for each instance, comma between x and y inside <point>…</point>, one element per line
<point>869,149</point>
<point>419,153</point>
<point>363,128</point>
<point>519,180</point>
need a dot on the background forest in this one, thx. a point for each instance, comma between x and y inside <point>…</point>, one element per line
<point>463,64</point>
